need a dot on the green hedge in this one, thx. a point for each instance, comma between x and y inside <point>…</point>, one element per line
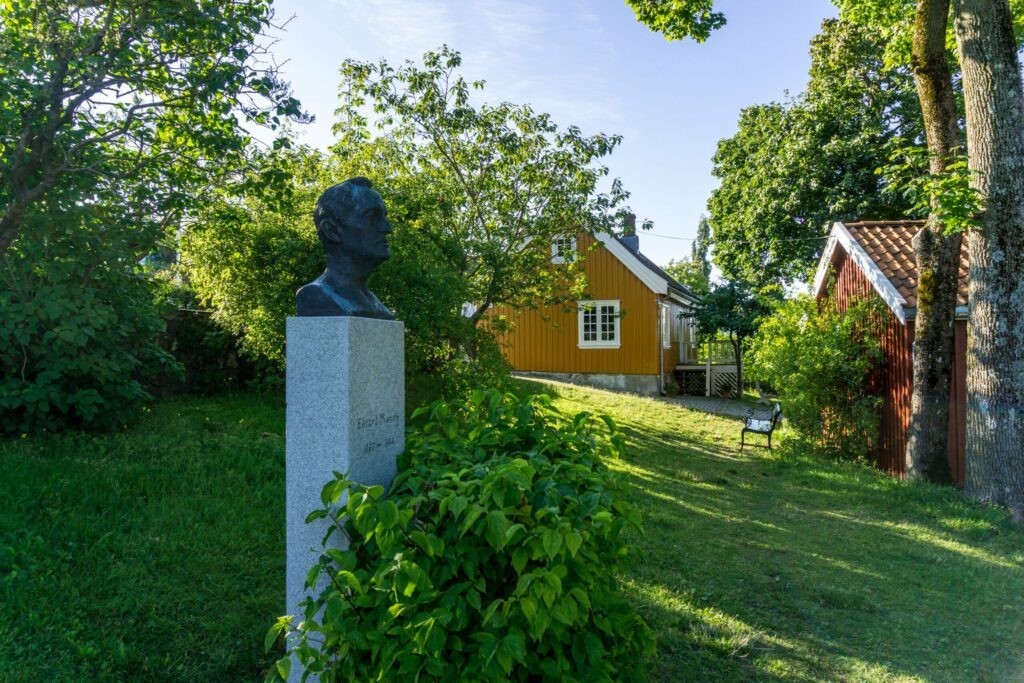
<point>493,556</point>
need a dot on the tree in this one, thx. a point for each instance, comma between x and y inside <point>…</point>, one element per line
<point>135,97</point>
<point>986,37</point>
<point>695,271</point>
<point>985,50</point>
<point>916,36</point>
<point>249,251</point>
<point>511,180</point>
<point>794,168</point>
<point>733,308</point>
<point>937,251</point>
<point>115,119</point>
<point>994,105</point>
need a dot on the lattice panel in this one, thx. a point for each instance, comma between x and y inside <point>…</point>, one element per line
<point>725,381</point>
<point>691,382</point>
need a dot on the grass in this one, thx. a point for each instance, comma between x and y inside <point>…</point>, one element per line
<point>776,566</point>
<point>153,554</point>
<point>157,554</point>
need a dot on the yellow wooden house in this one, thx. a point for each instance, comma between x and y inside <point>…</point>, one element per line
<point>630,333</point>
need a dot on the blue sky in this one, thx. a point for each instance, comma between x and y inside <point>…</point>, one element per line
<point>587,63</point>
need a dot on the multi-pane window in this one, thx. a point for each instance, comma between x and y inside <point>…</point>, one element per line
<point>563,248</point>
<point>599,324</point>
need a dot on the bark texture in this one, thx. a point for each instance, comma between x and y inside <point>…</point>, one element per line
<point>938,257</point>
<point>994,105</point>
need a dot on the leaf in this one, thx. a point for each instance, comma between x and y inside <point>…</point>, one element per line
<point>515,646</point>
<point>594,647</point>
<point>457,505</point>
<point>351,580</point>
<point>519,559</point>
<point>284,667</point>
<point>552,541</point>
<point>315,514</point>
<point>273,634</point>
<point>388,513</point>
<point>497,526</point>
<point>573,541</point>
<point>529,607</point>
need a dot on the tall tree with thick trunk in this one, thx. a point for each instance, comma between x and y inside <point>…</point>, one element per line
<point>937,253</point>
<point>994,106</point>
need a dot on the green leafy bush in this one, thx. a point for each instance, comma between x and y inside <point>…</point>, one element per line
<point>820,360</point>
<point>493,557</point>
<point>77,327</point>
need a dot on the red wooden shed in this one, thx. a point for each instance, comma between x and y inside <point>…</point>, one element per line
<point>876,258</point>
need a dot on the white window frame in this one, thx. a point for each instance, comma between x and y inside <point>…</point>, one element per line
<point>558,254</point>
<point>596,304</point>
<point>666,325</point>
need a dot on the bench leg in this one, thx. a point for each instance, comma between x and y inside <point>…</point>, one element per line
<point>743,436</point>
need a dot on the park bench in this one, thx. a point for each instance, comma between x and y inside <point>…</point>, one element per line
<point>763,427</point>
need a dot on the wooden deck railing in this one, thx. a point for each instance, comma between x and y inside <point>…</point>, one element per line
<point>720,351</point>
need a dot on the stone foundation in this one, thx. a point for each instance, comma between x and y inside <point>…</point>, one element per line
<point>646,385</point>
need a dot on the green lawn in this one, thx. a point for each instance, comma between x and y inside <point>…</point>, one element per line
<point>157,554</point>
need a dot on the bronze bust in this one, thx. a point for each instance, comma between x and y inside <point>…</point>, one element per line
<point>351,222</point>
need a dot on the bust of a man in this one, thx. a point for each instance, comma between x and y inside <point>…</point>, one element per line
<point>351,222</point>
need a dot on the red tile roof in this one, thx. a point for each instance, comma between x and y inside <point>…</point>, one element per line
<point>890,245</point>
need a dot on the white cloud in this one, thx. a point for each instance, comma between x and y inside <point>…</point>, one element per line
<point>406,28</point>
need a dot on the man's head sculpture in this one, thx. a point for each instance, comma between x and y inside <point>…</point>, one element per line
<point>351,222</point>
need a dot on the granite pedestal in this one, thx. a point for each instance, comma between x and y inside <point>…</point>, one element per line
<point>345,390</point>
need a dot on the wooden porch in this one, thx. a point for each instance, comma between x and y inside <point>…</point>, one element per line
<point>707,368</point>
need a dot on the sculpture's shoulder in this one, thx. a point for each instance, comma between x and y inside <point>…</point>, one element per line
<point>316,299</point>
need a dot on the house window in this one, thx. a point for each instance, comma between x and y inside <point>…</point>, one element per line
<point>563,248</point>
<point>599,324</point>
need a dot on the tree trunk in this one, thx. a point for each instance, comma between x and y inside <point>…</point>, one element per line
<point>994,105</point>
<point>8,231</point>
<point>938,257</point>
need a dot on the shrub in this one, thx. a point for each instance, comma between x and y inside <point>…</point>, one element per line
<point>820,361</point>
<point>77,327</point>
<point>493,557</point>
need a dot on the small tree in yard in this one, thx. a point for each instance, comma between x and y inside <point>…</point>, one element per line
<point>820,360</point>
<point>731,308</point>
<point>510,179</point>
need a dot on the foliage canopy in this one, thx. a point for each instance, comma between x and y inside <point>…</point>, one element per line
<point>140,102</point>
<point>250,250</point>
<point>679,19</point>
<point>794,168</point>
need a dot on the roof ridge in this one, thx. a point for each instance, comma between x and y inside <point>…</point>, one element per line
<point>904,222</point>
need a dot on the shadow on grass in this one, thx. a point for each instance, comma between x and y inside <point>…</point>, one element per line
<point>779,566</point>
